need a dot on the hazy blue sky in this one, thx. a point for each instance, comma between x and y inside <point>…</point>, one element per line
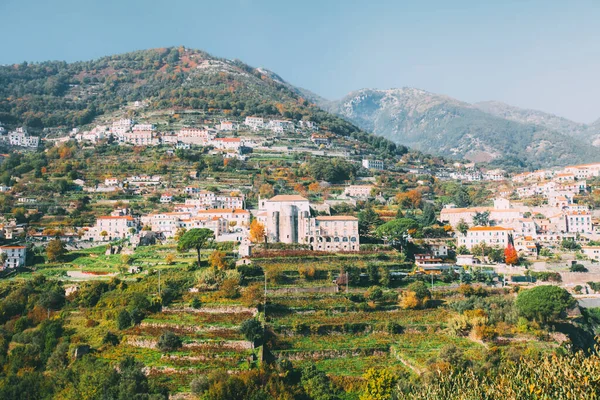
<point>537,54</point>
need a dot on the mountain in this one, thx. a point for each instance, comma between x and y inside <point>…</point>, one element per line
<point>442,125</point>
<point>588,133</point>
<point>60,94</point>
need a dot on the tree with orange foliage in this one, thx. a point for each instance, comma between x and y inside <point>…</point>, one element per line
<point>410,199</point>
<point>257,232</point>
<point>266,190</point>
<point>217,260</point>
<point>65,152</point>
<point>300,189</point>
<point>511,257</point>
<point>314,187</point>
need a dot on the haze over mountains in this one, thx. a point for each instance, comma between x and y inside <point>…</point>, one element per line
<point>52,94</point>
<point>486,131</point>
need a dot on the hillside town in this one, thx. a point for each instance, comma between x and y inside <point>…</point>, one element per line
<point>532,209</point>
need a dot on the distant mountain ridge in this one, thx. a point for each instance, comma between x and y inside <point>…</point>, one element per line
<point>586,132</point>
<point>487,131</point>
<point>60,94</point>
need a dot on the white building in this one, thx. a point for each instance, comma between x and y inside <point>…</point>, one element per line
<point>281,216</point>
<point>494,175</point>
<point>166,198</point>
<point>200,137</point>
<point>592,252</point>
<point>358,191</point>
<point>229,143</point>
<point>373,164</point>
<point>207,199</point>
<point>143,127</point>
<point>138,138</point>
<point>143,180</point>
<point>21,138</point>
<point>235,217</point>
<point>287,219</point>
<point>121,126</point>
<point>332,233</point>
<point>227,126</point>
<point>494,236</point>
<point>255,123</point>
<point>501,213</point>
<point>166,223</point>
<point>320,139</point>
<point>280,126</point>
<point>579,222</point>
<point>15,256</point>
<point>218,225</point>
<point>115,227</point>
<point>112,182</point>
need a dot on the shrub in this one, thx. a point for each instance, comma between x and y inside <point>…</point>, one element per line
<point>90,323</point>
<point>195,303</point>
<point>374,293</point>
<point>578,268</point>
<point>307,272</point>
<point>124,320</point>
<point>253,295</point>
<point>110,339</point>
<point>379,384</point>
<point>544,304</point>
<point>252,330</point>
<point>199,385</point>
<point>169,341</point>
<point>230,288</point>
<point>393,327</point>
<point>546,276</point>
<point>415,296</point>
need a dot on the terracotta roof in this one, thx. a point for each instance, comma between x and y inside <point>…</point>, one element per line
<point>579,213</point>
<point>223,211</point>
<point>288,197</point>
<point>584,165</point>
<point>489,228</point>
<point>128,217</point>
<point>337,218</point>
<point>229,140</point>
<point>12,247</point>
<point>464,210</point>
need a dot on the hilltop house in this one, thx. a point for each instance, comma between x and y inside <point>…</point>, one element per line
<point>112,227</point>
<point>358,191</point>
<point>15,256</point>
<point>373,164</point>
<point>494,236</point>
<point>255,123</point>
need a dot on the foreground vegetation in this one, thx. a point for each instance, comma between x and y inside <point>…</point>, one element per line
<point>118,338</point>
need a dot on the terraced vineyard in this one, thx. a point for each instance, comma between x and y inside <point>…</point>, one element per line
<point>308,320</point>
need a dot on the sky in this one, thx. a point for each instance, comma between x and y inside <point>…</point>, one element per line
<point>539,54</point>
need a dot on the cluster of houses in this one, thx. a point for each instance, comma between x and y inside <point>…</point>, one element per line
<point>112,184</point>
<point>276,125</point>
<point>286,219</point>
<point>127,131</point>
<point>527,225</point>
<point>559,187</point>
<point>19,138</point>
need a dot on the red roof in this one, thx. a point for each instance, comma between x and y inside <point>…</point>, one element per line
<point>128,217</point>
<point>229,140</point>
